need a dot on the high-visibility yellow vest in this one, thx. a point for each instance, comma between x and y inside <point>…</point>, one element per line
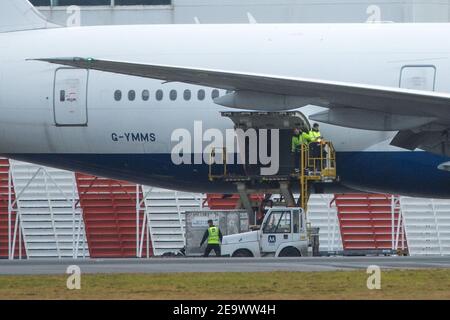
<point>314,135</point>
<point>297,141</point>
<point>213,235</point>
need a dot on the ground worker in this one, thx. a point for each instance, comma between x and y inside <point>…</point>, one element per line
<point>299,138</point>
<point>314,146</point>
<point>214,237</point>
<point>314,134</point>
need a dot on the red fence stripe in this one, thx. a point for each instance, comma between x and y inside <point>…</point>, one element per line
<point>366,221</point>
<point>109,213</point>
<point>4,189</point>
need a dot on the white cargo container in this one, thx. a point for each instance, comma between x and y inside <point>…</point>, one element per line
<point>229,222</point>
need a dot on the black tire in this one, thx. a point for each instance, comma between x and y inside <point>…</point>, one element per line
<point>290,252</point>
<point>242,253</point>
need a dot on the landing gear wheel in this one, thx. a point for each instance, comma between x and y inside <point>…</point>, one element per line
<point>289,252</point>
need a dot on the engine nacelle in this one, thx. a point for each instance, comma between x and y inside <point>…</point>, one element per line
<point>260,101</point>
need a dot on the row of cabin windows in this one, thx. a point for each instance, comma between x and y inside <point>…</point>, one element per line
<point>159,95</point>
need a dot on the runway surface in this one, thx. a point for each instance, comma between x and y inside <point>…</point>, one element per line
<point>171,265</point>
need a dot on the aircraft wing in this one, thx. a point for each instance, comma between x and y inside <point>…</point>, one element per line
<point>421,117</point>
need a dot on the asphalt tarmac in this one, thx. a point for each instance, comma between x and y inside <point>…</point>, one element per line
<point>174,265</point>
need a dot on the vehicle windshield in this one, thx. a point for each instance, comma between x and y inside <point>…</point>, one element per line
<point>278,222</point>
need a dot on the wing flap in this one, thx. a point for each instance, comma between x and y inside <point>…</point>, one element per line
<point>370,120</point>
<point>436,142</point>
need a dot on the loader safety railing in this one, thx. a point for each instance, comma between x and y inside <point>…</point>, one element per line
<point>317,164</point>
<point>212,163</point>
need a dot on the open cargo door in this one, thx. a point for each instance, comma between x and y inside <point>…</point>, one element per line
<point>251,123</point>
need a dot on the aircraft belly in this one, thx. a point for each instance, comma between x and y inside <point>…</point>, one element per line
<point>405,173</point>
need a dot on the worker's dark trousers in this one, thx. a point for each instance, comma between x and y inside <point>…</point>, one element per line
<point>314,152</point>
<point>215,247</point>
<point>296,160</point>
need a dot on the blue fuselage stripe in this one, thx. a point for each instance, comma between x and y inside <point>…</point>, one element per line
<point>407,173</point>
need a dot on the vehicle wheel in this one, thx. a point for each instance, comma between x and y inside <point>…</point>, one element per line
<point>289,252</point>
<point>242,253</point>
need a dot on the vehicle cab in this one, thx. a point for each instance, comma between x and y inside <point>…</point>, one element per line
<point>283,233</point>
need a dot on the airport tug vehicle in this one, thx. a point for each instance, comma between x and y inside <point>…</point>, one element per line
<point>284,231</point>
<point>283,234</point>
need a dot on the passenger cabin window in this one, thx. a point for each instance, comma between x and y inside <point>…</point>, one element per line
<point>173,95</point>
<point>159,95</point>
<point>131,95</point>
<point>145,95</point>
<point>187,95</point>
<point>201,95</point>
<point>62,95</point>
<point>215,94</point>
<point>118,95</point>
<point>278,222</point>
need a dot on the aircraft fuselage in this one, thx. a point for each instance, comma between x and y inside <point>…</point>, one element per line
<point>122,125</point>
